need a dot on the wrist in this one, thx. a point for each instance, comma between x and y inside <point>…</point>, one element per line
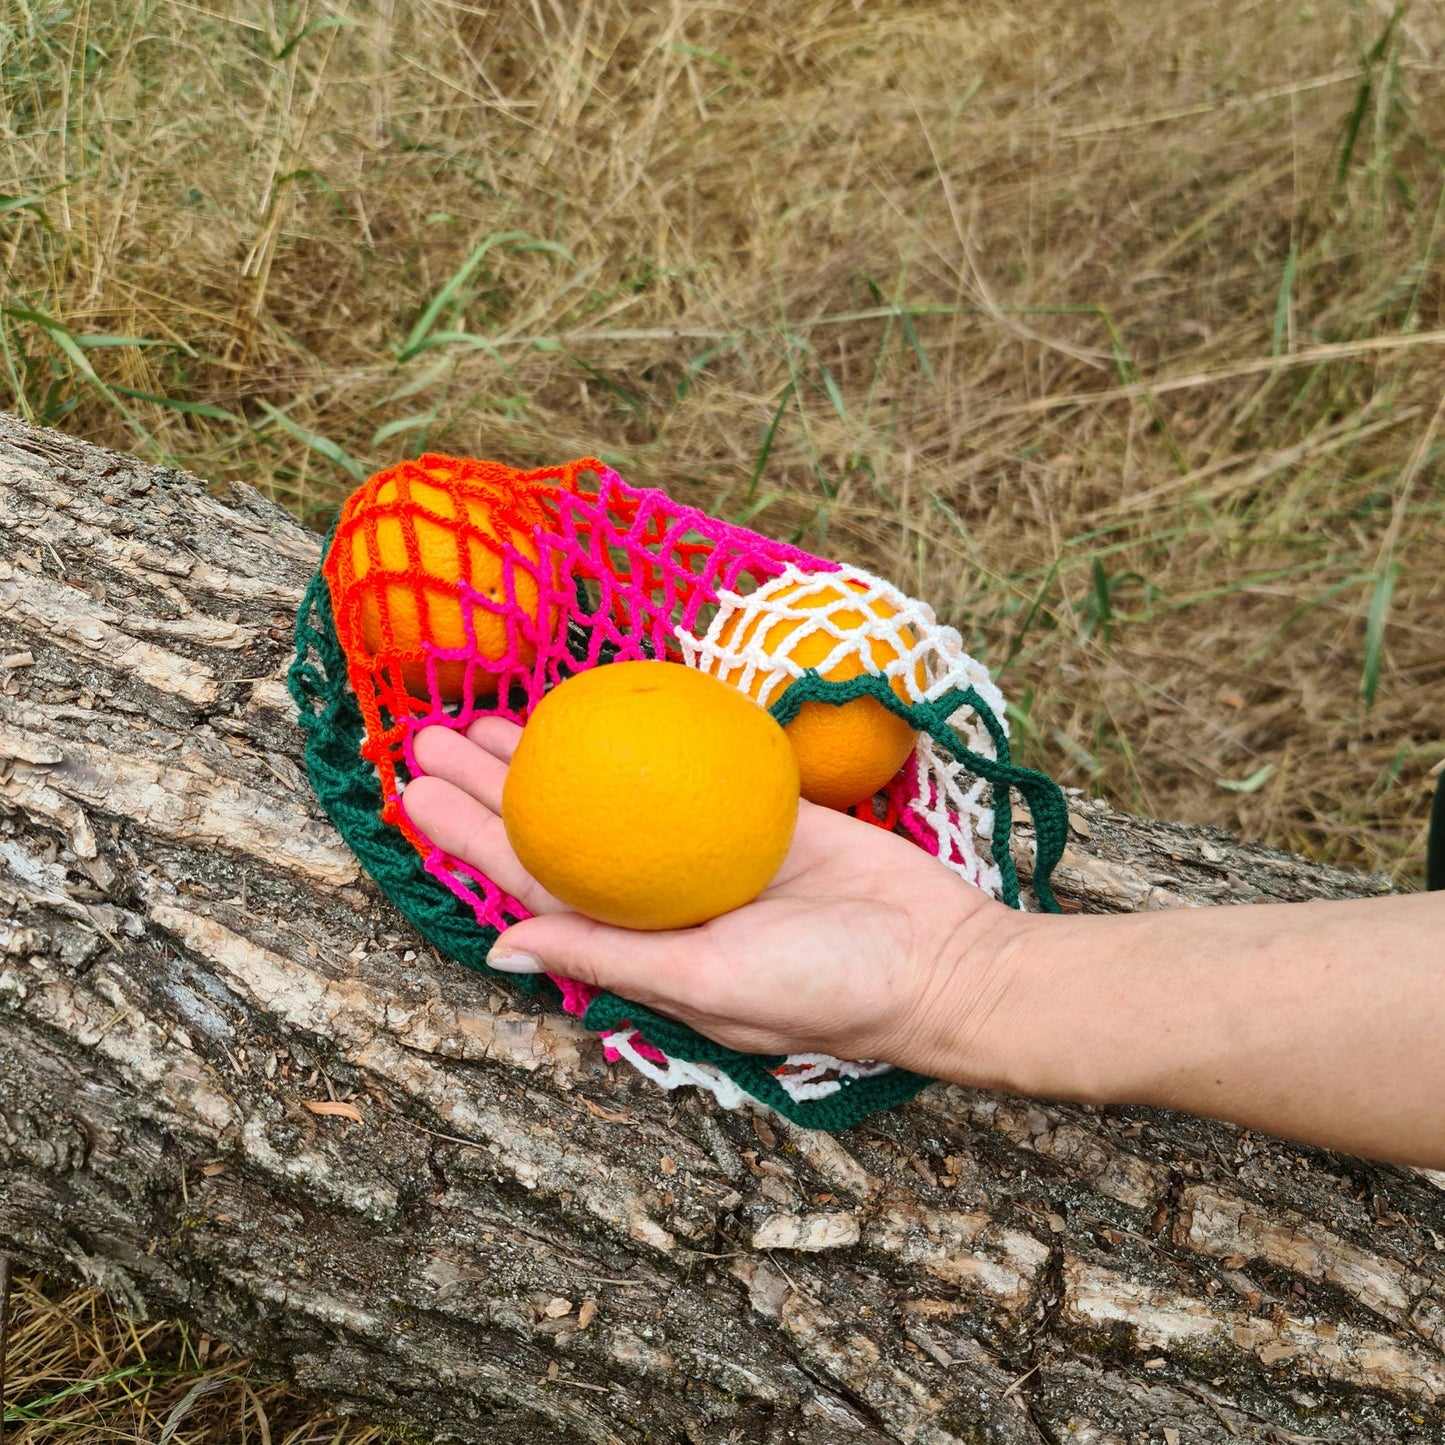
<point>1317,1021</point>
<point>974,1022</point>
<point>1041,1005</point>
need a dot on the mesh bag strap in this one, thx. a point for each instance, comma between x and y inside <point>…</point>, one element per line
<point>1043,796</point>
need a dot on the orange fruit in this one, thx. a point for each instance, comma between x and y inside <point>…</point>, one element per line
<point>649,795</point>
<point>845,752</point>
<point>431,608</point>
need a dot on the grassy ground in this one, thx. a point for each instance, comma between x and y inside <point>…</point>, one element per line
<point>1116,331</point>
<point>79,1373</point>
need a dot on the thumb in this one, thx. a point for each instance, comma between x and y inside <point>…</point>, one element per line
<point>623,960</point>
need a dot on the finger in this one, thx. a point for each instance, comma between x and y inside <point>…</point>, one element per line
<point>458,824</point>
<point>658,969</point>
<point>444,753</point>
<point>673,973</point>
<point>498,736</point>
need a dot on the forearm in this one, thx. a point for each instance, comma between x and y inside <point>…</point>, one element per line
<point>1323,1022</point>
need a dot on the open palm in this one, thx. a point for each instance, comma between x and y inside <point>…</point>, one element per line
<point>855,949</point>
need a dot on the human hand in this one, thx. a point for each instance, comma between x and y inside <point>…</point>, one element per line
<point>863,946</point>
<point>1318,1021</point>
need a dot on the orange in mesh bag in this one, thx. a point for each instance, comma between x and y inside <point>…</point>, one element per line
<point>445,571</point>
<point>841,628</point>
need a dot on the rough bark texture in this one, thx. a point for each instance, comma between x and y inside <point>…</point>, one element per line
<point>504,1238</point>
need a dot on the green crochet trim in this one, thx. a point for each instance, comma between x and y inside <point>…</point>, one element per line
<point>350,791</point>
<point>854,1100</point>
<point>1045,801</point>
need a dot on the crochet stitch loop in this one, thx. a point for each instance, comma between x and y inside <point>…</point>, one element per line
<point>348,788</point>
<point>639,568</point>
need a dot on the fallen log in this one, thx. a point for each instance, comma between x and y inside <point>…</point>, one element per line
<point>235,1086</point>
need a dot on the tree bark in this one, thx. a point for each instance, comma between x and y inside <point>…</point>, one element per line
<point>498,1236</point>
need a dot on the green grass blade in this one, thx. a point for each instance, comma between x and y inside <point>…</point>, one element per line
<point>100,342</point>
<point>713,57</point>
<point>1266,643</point>
<point>756,509</point>
<point>924,365</point>
<point>401,425</point>
<point>700,363</point>
<point>175,403</point>
<point>1375,631</point>
<point>1280,332</point>
<point>550,248</point>
<point>322,446</point>
<point>1017,644</point>
<point>327,22</point>
<point>768,437</point>
<point>1352,128</point>
<point>1366,89</point>
<point>33,1411</point>
<point>31,203</point>
<point>1103,602</point>
<point>18,389</point>
<point>1021,714</point>
<point>19,203</point>
<point>469,339</point>
<point>63,337</point>
<point>428,318</point>
<point>629,399</point>
<point>1252,784</point>
<point>1078,752</point>
<point>429,377</point>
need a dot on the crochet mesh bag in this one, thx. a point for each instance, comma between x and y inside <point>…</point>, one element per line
<point>555,577</point>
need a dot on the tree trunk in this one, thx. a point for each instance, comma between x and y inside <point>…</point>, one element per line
<point>235,1086</point>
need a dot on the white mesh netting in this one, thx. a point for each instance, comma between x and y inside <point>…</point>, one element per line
<point>883,631</point>
<point>835,619</point>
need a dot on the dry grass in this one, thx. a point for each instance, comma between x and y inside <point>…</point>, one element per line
<point>1117,331</point>
<point>78,1371</point>
<point>1113,330</point>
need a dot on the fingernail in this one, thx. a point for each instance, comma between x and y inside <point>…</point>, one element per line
<point>514,963</point>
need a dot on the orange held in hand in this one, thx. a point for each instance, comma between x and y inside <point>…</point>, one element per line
<point>424,528</point>
<point>846,753</point>
<point>649,795</point>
